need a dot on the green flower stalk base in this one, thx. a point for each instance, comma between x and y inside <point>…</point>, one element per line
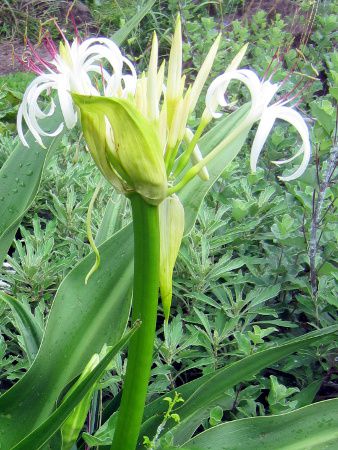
<point>145,299</point>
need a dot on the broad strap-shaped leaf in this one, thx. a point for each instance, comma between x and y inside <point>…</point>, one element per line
<point>112,219</point>
<point>206,392</point>
<point>28,326</point>
<point>20,178</point>
<point>45,431</point>
<point>312,427</point>
<point>82,319</point>
<point>194,192</point>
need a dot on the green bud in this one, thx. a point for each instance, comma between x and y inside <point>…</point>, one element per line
<point>71,428</point>
<point>133,153</point>
<point>171,214</point>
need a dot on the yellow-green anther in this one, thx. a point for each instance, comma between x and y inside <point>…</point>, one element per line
<point>175,63</point>
<point>204,73</point>
<point>196,155</point>
<point>171,213</point>
<point>152,89</point>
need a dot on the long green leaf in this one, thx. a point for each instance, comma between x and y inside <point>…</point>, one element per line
<point>194,192</point>
<point>209,390</point>
<point>122,34</point>
<point>313,427</point>
<point>79,324</point>
<point>20,179</point>
<point>44,432</point>
<point>82,319</point>
<point>112,219</point>
<point>30,330</point>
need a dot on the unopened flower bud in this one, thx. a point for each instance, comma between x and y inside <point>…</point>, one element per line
<point>171,230</point>
<point>136,156</point>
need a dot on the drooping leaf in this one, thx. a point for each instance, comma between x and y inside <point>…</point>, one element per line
<point>312,427</point>
<point>20,178</point>
<point>82,319</point>
<point>43,433</point>
<point>204,393</point>
<point>194,192</point>
<point>122,34</point>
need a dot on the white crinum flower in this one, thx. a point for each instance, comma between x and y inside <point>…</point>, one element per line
<point>76,68</point>
<point>261,93</point>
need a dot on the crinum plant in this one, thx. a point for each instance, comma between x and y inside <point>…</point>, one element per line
<point>137,131</point>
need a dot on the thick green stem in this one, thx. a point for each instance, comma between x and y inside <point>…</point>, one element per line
<point>145,298</point>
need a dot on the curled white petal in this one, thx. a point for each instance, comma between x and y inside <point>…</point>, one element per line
<point>261,92</point>
<point>19,119</point>
<point>29,109</point>
<point>67,108</point>
<point>286,161</point>
<point>295,119</point>
<point>78,68</point>
<point>263,131</point>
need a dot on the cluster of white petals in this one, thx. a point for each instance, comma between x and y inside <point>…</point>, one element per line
<point>97,67</point>
<point>81,68</point>
<point>261,92</point>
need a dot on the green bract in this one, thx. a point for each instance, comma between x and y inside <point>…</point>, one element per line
<point>130,157</point>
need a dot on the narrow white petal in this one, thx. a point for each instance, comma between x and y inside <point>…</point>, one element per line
<point>261,93</point>
<point>286,161</point>
<point>19,119</point>
<point>295,119</point>
<point>216,92</point>
<point>263,130</point>
<point>67,108</point>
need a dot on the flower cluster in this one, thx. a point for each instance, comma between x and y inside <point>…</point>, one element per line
<point>136,127</point>
<point>71,70</point>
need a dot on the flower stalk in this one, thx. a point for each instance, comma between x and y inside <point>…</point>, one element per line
<point>145,299</point>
